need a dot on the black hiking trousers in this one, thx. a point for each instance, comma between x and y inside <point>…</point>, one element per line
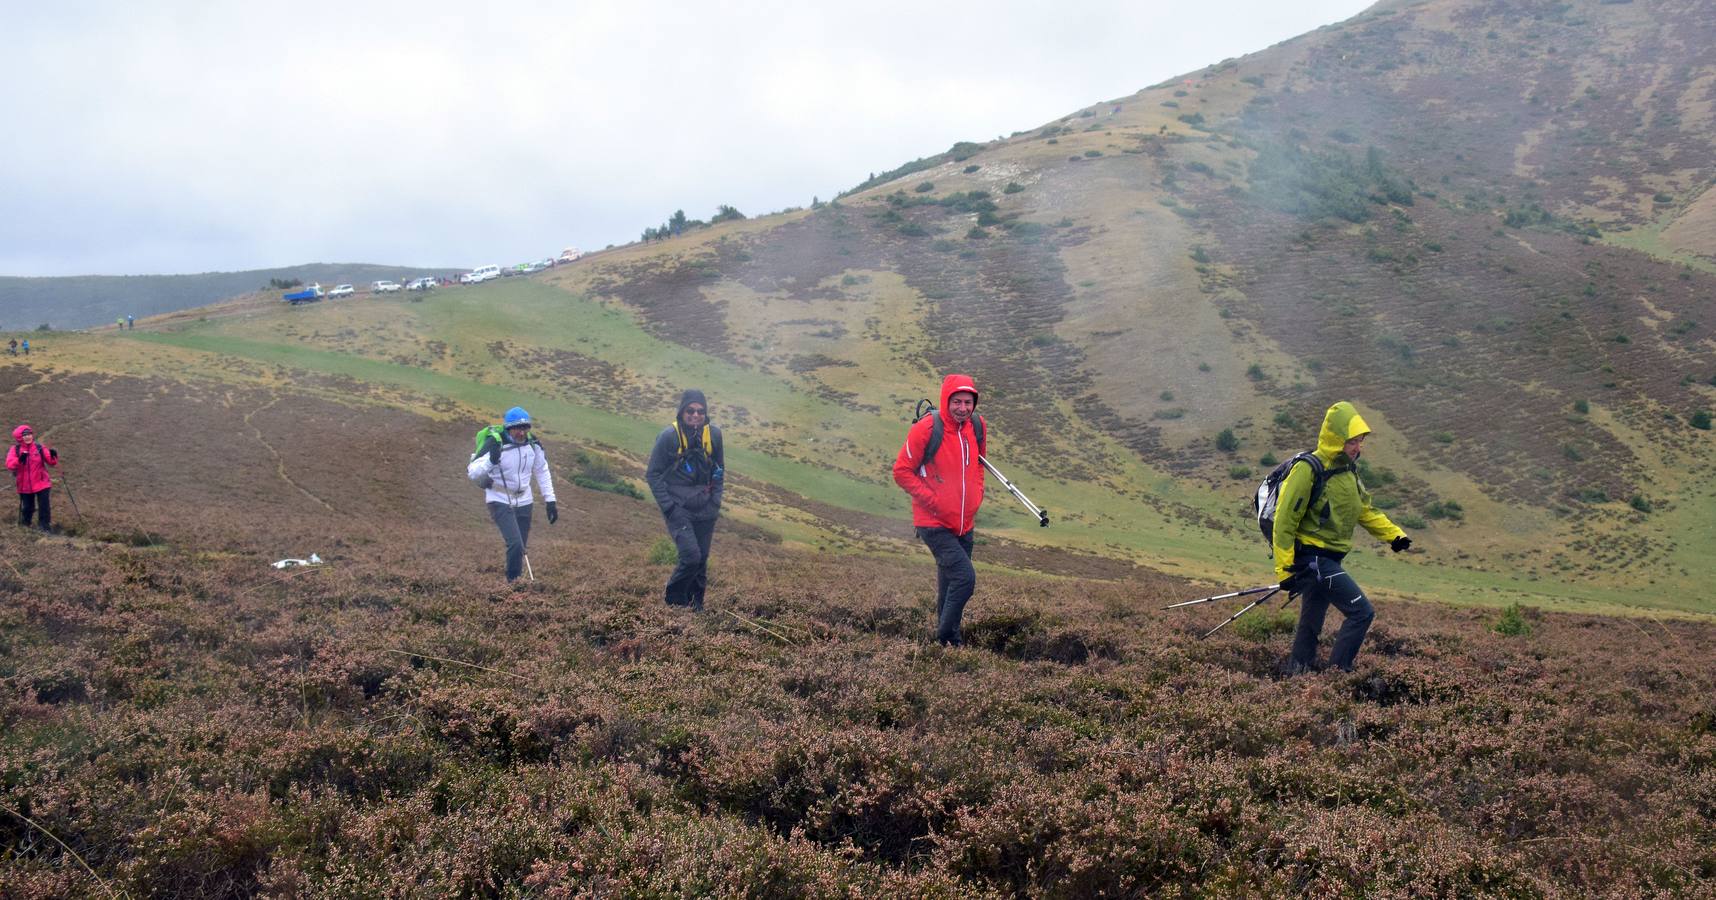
<point>955,580</point>
<point>690,578</point>
<point>37,505</point>
<point>1333,587</point>
<point>514,525</point>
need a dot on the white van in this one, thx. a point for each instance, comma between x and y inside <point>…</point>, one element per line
<point>480,274</point>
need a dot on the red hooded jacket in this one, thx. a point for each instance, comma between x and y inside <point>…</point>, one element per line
<point>29,466</point>
<point>946,491</point>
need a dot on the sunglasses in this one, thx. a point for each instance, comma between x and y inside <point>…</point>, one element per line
<point>695,411</point>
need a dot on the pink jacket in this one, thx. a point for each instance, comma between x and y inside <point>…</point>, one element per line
<point>29,465</point>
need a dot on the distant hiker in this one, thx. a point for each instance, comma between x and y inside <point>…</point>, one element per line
<point>130,324</point>
<point>12,347</point>
<point>946,486</point>
<point>687,474</point>
<point>26,346</point>
<point>1310,543</point>
<point>503,465</point>
<point>29,463</point>
<point>119,323</point>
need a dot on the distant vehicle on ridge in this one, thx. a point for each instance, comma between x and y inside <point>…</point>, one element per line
<point>341,290</point>
<point>480,274</point>
<point>308,295</point>
<point>426,283</point>
<point>383,287</point>
<point>570,254</point>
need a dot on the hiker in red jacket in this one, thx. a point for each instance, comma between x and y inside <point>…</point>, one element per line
<point>946,486</point>
<point>29,463</point>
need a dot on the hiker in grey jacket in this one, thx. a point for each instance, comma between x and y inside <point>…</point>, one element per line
<point>504,468</point>
<point>686,474</point>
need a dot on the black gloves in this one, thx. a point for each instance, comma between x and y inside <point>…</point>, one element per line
<point>1298,581</point>
<point>553,512</point>
<point>1400,543</point>
<point>53,454</point>
<point>494,453</point>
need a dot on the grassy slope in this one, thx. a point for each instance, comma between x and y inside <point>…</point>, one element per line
<point>360,340</point>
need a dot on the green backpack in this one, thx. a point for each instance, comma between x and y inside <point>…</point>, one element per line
<point>496,433</point>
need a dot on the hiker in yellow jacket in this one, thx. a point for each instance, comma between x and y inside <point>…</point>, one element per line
<point>1314,533</point>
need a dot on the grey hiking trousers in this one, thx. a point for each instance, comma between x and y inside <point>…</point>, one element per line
<point>514,525</point>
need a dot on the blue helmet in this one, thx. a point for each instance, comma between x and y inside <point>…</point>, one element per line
<point>517,416</point>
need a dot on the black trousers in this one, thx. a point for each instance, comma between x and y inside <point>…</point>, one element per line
<point>514,525</point>
<point>36,504</point>
<point>691,577</point>
<point>1333,587</point>
<point>955,580</point>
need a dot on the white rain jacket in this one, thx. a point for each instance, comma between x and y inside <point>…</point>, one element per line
<point>509,481</point>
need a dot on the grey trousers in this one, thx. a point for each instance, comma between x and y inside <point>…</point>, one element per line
<point>514,525</point>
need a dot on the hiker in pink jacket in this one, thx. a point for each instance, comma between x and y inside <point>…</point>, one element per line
<point>29,462</point>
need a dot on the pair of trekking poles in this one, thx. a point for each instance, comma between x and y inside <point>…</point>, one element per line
<point>1267,590</point>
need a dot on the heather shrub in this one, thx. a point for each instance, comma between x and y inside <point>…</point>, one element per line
<point>399,721</point>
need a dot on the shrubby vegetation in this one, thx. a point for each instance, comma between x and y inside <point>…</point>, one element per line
<point>1324,184</point>
<point>677,224</point>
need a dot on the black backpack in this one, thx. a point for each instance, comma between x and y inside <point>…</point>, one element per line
<point>1269,492</point>
<point>926,408</point>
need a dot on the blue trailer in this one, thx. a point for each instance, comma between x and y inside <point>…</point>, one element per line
<point>308,295</point>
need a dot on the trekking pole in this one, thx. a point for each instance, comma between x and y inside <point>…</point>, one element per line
<point>1041,514</point>
<point>1246,592</point>
<point>1242,612</point>
<point>73,498</point>
<point>527,567</point>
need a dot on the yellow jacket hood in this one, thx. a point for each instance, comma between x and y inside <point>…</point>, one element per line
<point>1341,423</point>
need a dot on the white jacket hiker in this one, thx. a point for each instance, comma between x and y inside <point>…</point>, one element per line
<point>509,479</point>
<point>504,464</point>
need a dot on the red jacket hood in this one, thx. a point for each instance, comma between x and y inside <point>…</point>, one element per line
<point>951,385</point>
<point>18,433</point>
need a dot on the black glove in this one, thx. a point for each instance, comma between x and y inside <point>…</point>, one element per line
<point>53,454</point>
<point>1298,580</point>
<point>1399,544</point>
<point>553,512</point>
<point>494,453</point>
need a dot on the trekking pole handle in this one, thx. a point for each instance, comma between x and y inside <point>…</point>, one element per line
<point>1041,514</point>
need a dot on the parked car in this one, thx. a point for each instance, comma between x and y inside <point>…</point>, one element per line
<point>342,290</point>
<point>480,274</point>
<point>426,283</point>
<point>570,254</point>
<point>383,287</point>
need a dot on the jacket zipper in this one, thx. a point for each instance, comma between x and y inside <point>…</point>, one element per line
<point>965,465</point>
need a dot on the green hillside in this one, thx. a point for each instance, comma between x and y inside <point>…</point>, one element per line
<point>809,456</point>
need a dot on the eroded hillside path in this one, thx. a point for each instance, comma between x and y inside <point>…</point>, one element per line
<point>101,406</point>
<point>279,461</point>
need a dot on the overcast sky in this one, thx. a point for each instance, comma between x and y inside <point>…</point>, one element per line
<point>196,135</point>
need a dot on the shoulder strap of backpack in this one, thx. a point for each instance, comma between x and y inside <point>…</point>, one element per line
<point>1318,476</point>
<point>982,430</point>
<point>934,442</point>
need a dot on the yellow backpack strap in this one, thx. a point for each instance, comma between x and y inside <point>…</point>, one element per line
<point>679,433</point>
<point>708,444</point>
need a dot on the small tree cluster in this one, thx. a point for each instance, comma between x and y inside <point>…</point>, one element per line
<point>678,224</point>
